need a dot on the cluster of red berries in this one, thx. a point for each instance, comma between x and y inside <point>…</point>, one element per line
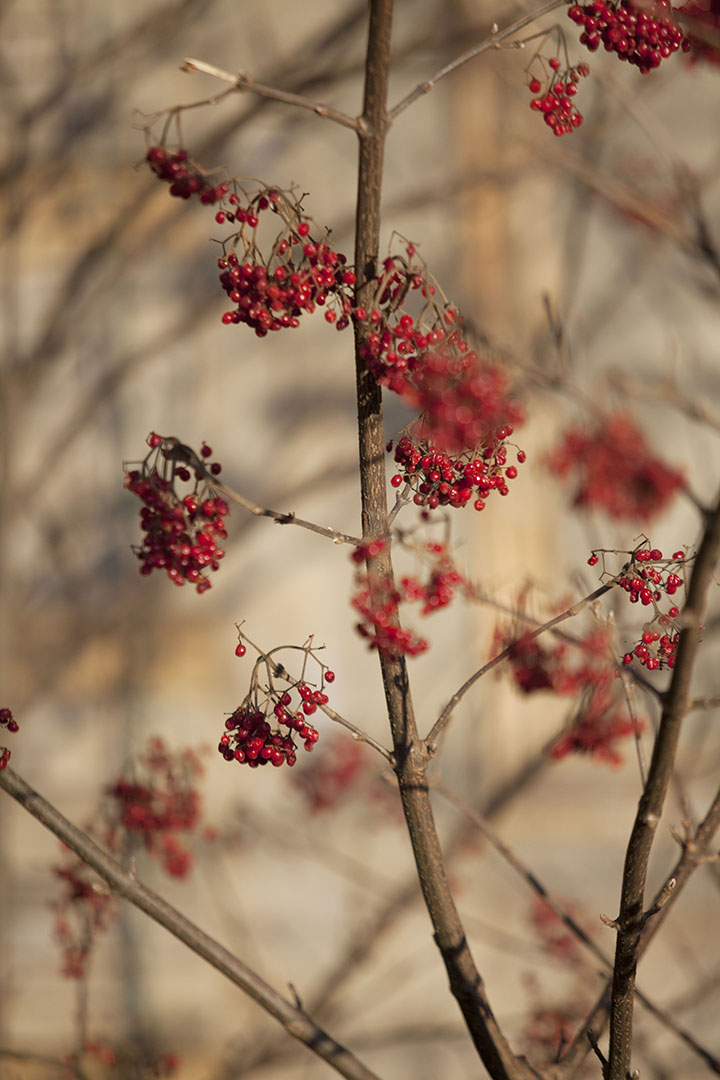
<point>153,801</point>
<point>156,803</point>
<point>83,910</point>
<point>643,32</point>
<point>648,579</point>
<point>377,603</point>
<point>601,721</point>
<point>301,273</point>
<point>556,101</point>
<point>7,720</point>
<point>184,176</point>
<point>463,398</point>
<point>702,29</point>
<point>252,736</point>
<point>443,581</point>
<point>601,718</point>
<point>615,470</point>
<point>440,480</point>
<point>181,532</point>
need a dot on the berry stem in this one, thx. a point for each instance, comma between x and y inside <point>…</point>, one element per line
<point>492,42</point>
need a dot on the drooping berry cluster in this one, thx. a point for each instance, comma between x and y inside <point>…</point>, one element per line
<point>7,720</point>
<point>181,531</point>
<point>153,803</point>
<point>377,603</point>
<point>554,96</point>
<point>442,583</point>
<point>586,671</point>
<point>643,32</point>
<point>702,27</point>
<point>648,579</point>
<point>254,732</point>
<point>424,356</point>
<point>184,176</point>
<point>437,479</point>
<point>301,271</point>
<point>148,805</point>
<point>615,470</point>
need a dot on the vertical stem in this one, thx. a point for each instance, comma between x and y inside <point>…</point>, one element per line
<point>411,756</point>
<point>631,920</point>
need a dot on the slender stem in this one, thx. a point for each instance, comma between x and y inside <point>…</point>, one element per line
<point>125,884</point>
<point>444,718</point>
<point>411,758</point>
<point>243,82</point>
<point>694,853</point>
<point>531,879</point>
<point>178,451</point>
<point>492,42</point>
<point>632,917</point>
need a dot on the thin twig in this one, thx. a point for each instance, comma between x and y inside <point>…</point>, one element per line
<point>631,918</point>
<point>296,1022</point>
<point>531,879</point>
<point>444,718</point>
<point>494,41</point>
<point>178,451</point>
<point>693,854</point>
<point>246,84</point>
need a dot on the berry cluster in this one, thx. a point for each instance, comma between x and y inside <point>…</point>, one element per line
<point>556,99</point>
<point>440,480</point>
<point>463,398</point>
<point>377,604</point>
<point>647,579</point>
<point>84,909</point>
<point>424,357</point>
<point>615,470</point>
<point>444,579</point>
<point>149,804</point>
<point>643,32</point>
<point>8,721</point>
<point>702,29</point>
<point>601,717</point>
<point>184,176</point>
<point>252,736</point>
<point>181,531</point>
<point>301,272</point>
<point>601,720</point>
<point>154,804</point>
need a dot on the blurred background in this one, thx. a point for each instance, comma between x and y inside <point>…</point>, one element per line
<point>587,261</point>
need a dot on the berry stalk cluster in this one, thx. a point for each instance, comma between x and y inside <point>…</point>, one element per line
<point>263,728</point>
<point>181,530</point>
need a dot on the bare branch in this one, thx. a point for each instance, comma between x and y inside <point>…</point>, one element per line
<point>444,718</point>
<point>244,83</point>
<point>632,916</point>
<point>295,1021</point>
<point>494,41</point>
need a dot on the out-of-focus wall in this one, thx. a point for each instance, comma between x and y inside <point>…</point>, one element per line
<point>111,329</point>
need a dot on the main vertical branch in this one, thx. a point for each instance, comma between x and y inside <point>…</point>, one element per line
<point>411,757</point>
